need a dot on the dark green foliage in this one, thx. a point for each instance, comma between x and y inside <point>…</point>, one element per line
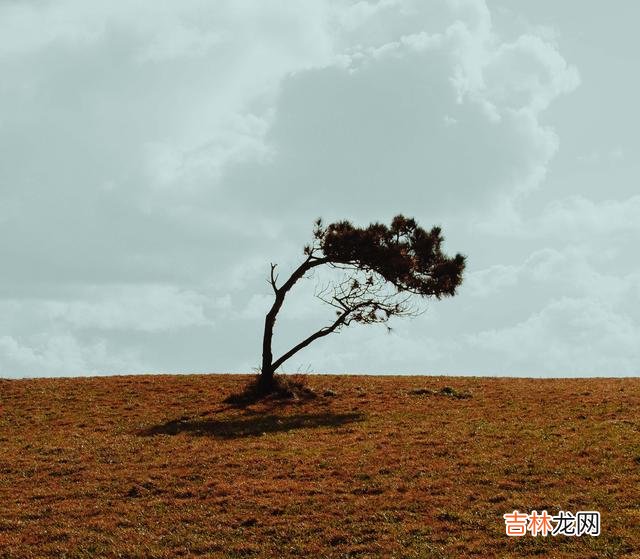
<point>403,254</point>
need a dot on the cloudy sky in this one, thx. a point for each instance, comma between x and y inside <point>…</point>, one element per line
<point>155,156</point>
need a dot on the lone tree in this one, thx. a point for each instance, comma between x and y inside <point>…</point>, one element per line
<point>383,267</point>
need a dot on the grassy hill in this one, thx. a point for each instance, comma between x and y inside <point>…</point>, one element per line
<point>161,467</point>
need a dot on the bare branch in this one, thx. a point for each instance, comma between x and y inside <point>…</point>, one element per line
<point>273,278</point>
<point>342,319</point>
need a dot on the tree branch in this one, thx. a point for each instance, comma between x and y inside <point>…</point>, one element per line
<point>273,278</point>
<point>304,343</point>
<point>342,319</point>
<point>280,293</point>
<point>310,262</point>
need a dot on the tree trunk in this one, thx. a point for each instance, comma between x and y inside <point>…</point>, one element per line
<point>268,369</point>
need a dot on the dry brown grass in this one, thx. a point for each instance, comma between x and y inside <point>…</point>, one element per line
<point>160,467</point>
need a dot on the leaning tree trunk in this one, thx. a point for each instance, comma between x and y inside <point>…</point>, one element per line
<point>267,370</point>
<point>269,366</point>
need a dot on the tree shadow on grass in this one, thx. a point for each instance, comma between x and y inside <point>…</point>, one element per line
<point>250,427</point>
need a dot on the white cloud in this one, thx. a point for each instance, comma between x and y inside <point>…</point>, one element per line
<point>392,124</point>
<point>63,355</point>
<point>569,336</point>
<point>149,308</point>
<point>578,216</point>
<point>576,313</point>
<point>528,73</point>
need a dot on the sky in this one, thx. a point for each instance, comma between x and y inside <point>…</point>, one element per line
<point>156,156</point>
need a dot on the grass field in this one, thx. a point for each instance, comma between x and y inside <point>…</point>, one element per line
<point>160,467</point>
